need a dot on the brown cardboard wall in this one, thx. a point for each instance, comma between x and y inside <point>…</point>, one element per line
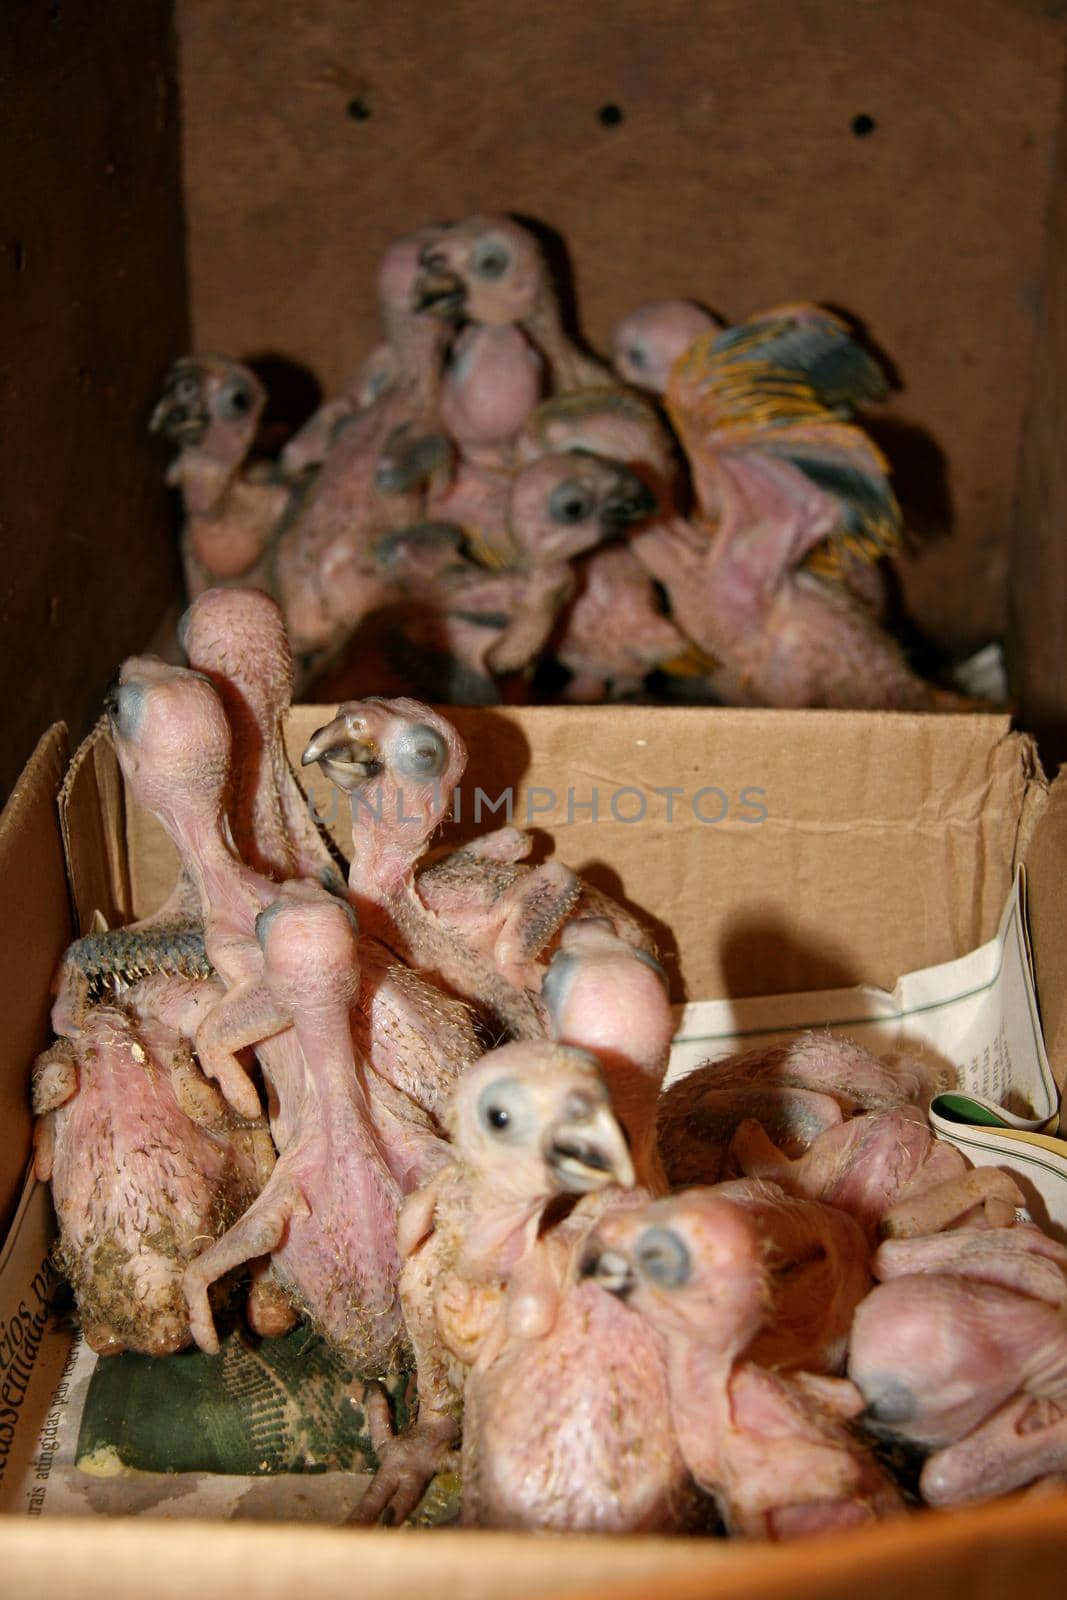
<point>33,935</point>
<point>738,172</point>
<point>92,310</point>
<point>775,851</point>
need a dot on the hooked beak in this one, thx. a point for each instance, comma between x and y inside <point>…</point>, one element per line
<point>184,421</point>
<point>612,1271</point>
<point>631,502</point>
<point>590,1154</point>
<point>346,757</point>
<point>440,292</point>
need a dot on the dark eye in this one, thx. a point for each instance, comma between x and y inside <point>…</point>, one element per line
<point>234,401</point>
<point>490,260</point>
<point>503,1109</point>
<point>636,357</point>
<point>571,502</point>
<point>662,1256</point>
<point>186,388</point>
<point>123,706</point>
<point>420,752</point>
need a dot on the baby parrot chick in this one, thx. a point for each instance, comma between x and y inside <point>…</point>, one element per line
<point>211,409</point>
<point>775,1451</point>
<point>529,1121</point>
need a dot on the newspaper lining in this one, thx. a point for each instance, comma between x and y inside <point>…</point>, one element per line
<point>72,1425</point>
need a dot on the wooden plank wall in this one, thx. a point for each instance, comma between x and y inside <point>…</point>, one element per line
<point>1038,635</point>
<point>92,310</point>
<point>887,156</point>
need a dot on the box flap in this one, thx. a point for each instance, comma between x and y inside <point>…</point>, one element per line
<point>92,809</point>
<point>33,934</point>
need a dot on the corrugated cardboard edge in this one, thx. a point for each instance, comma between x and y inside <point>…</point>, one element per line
<point>34,931</point>
<point>92,813</point>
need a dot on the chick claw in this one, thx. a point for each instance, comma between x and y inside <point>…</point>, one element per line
<point>407,1463</point>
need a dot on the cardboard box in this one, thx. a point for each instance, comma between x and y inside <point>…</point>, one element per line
<point>849,847</point>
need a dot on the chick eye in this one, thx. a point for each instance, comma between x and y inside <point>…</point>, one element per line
<point>501,1108</point>
<point>570,502</point>
<point>636,357</point>
<point>490,260</point>
<point>420,753</point>
<point>663,1257</point>
<point>186,388</point>
<point>123,705</point>
<point>234,402</point>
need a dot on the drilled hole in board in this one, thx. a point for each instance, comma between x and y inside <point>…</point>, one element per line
<point>609,116</point>
<point>863,125</point>
<point>358,109</point>
<point>18,255</point>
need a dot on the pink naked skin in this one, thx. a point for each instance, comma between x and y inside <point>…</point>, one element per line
<point>888,1171</point>
<point>173,743</point>
<point>615,632</point>
<point>795,1090</point>
<point>522,293</point>
<point>415,1038</point>
<point>612,1000</point>
<point>568,1427</point>
<point>491,385</point>
<point>232,514</point>
<point>479,919</point>
<point>935,1355</point>
<point>145,1165</point>
<point>772,1449</point>
<point>783,637</point>
<point>328,577</point>
<point>475,1229</point>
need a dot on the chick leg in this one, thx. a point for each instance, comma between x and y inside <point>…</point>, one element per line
<point>257,1233</point>
<point>407,1462</point>
<point>246,1016</point>
<point>1025,1441</point>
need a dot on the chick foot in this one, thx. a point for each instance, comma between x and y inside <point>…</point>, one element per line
<point>407,1462</point>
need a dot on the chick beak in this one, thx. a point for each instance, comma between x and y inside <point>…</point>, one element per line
<point>611,1270</point>
<point>348,760</point>
<point>630,502</point>
<point>439,291</point>
<point>589,1155</point>
<point>184,421</point>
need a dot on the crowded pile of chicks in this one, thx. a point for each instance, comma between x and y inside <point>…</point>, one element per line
<point>705,518</point>
<point>421,1107</point>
